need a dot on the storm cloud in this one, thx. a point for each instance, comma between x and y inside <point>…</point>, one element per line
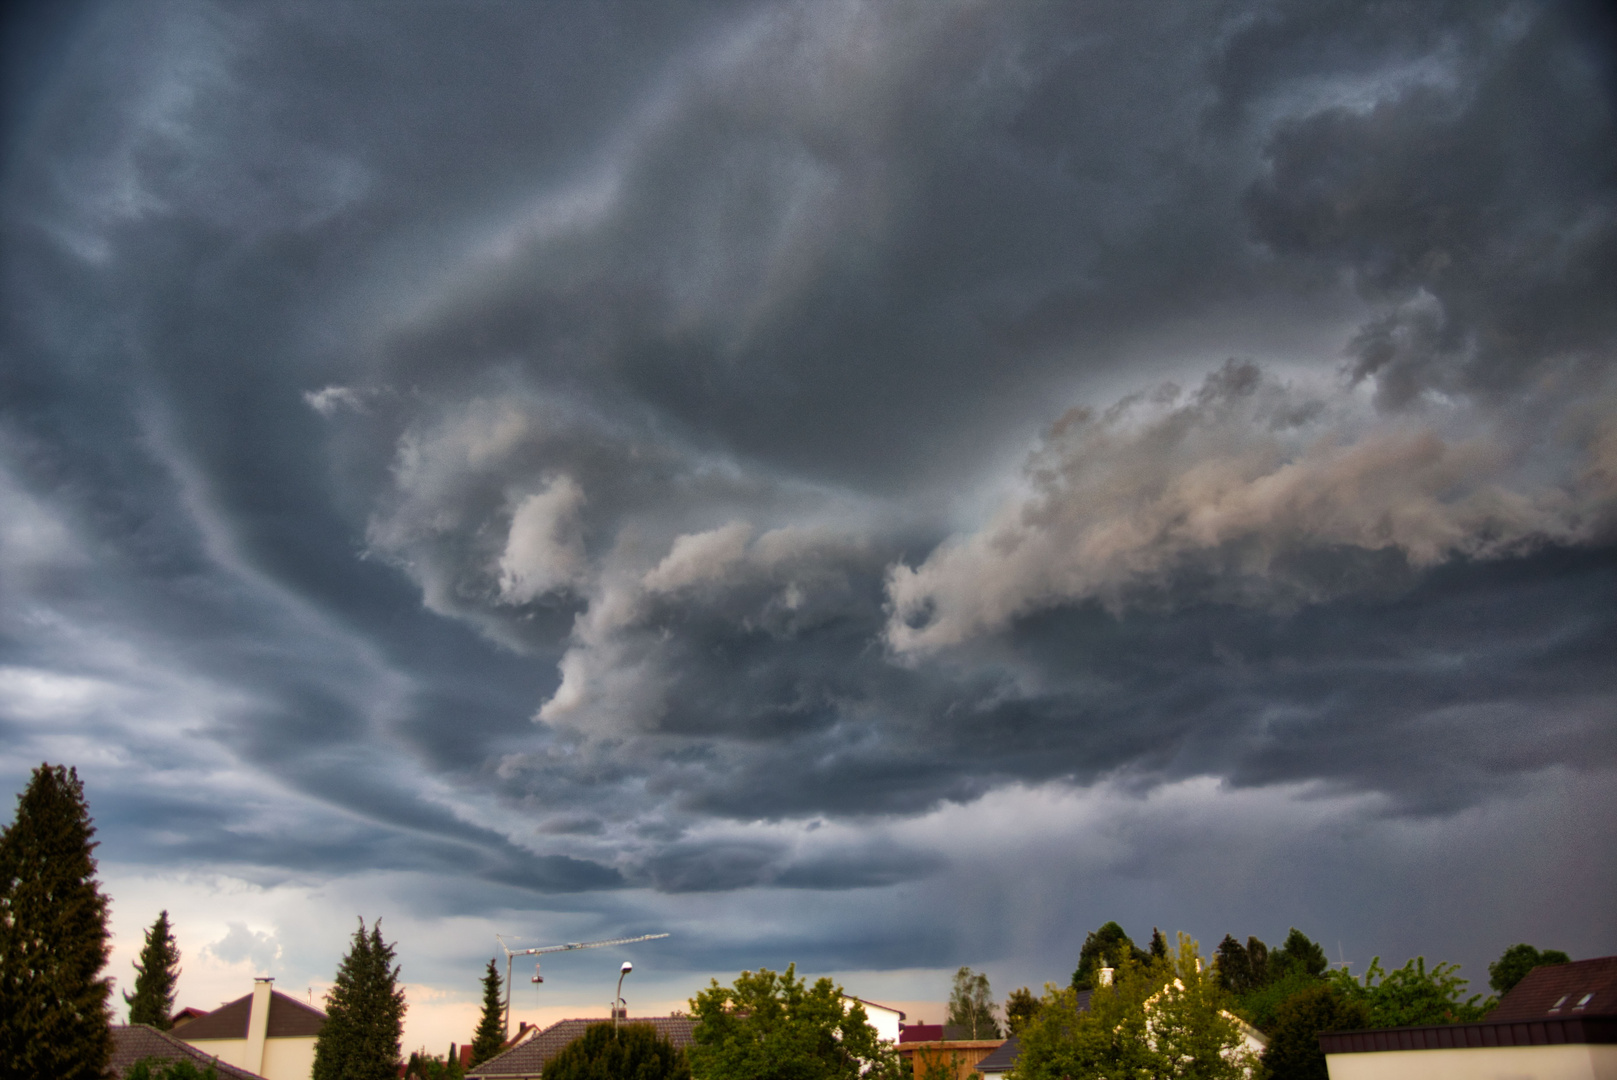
<point>619,456</point>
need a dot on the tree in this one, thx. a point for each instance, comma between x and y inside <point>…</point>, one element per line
<point>1105,947</point>
<point>1514,964</point>
<point>1298,952</point>
<point>154,1068</point>
<point>55,1018</point>
<point>1233,965</point>
<point>364,1014</point>
<point>1294,1052</point>
<point>631,1052</point>
<point>1162,1019</point>
<point>772,1026</point>
<point>1260,1006</point>
<point>490,1033</point>
<point>1159,945</point>
<point>424,1066</point>
<point>1019,1009</point>
<point>157,976</point>
<point>971,1005</point>
<point>1411,995</point>
<point>1188,1029</point>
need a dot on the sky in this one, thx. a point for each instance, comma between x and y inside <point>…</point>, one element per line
<point>880,486</point>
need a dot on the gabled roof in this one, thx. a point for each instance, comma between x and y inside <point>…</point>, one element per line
<point>289,1018</point>
<point>137,1042</point>
<point>1002,1059</point>
<point>1562,992</point>
<point>528,1058</point>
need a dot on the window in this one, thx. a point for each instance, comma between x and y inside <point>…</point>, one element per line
<point>1584,1000</point>
<point>1559,1002</point>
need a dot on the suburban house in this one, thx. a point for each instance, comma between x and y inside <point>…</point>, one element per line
<point>266,1033</point>
<point>139,1042</point>
<point>887,1021</point>
<point>527,1059</point>
<point>1559,1023</point>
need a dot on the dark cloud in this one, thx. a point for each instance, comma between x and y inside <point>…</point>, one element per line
<point>622,459</point>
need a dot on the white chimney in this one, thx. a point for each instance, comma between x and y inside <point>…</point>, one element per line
<point>1106,976</point>
<point>258,1023</point>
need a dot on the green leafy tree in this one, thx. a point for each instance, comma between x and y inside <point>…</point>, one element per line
<point>1300,953</point>
<point>364,1014</point>
<point>1260,1006</point>
<point>55,1018</point>
<point>971,1005</point>
<point>1514,964</point>
<point>1165,1019</point>
<point>1189,1030</point>
<point>1294,1052</point>
<point>154,1068</point>
<point>1105,947</point>
<point>157,977</point>
<point>1411,995</point>
<point>773,1026</point>
<point>632,1052</point>
<point>1019,1009</point>
<point>424,1066</point>
<point>490,1033</point>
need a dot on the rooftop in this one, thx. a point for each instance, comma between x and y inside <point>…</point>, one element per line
<point>529,1057</point>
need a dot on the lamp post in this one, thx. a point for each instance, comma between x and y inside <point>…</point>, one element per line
<point>627,967</point>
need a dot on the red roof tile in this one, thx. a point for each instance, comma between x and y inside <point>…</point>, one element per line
<point>528,1058</point>
<point>288,1018</point>
<point>137,1042</point>
<point>1562,992</point>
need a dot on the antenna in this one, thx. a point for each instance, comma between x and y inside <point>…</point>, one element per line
<point>510,953</point>
<point>1345,965</point>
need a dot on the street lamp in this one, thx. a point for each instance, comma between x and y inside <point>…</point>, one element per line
<point>569,947</point>
<point>627,967</point>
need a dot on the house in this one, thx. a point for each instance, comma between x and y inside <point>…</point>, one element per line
<point>1559,1023</point>
<point>527,1059</point>
<point>959,1056</point>
<point>887,1021</point>
<point>139,1042</point>
<point>266,1033</point>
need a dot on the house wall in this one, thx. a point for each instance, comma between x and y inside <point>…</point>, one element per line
<point>229,1051</point>
<point>1580,1061</point>
<point>284,1058</point>
<point>288,1058</point>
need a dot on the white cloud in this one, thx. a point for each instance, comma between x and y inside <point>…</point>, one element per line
<point>544,551</point>
<point>1240,480</point>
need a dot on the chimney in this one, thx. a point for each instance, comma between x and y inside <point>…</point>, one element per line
<point>258,1023</point>
<point>1106,976</point>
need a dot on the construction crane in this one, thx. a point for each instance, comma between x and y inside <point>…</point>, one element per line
<point>511,953</point>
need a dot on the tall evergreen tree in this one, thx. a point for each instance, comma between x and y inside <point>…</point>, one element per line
<point>1159,945</point>
<point>55,1018</point>
<point>157,976</point>
<point>364,1014</point>
<point>1105,947</point>
<point>490,1034</point>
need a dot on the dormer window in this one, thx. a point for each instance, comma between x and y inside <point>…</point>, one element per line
<point>1584,1000</point>
<point>1559,1002</point>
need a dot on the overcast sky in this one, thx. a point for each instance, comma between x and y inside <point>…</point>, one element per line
<point>882,486</point>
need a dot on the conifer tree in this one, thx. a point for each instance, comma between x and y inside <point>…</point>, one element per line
<point>364,1014</point>
<point>490,1034</point>
<point>54,1013</point>
<point>157,976</point>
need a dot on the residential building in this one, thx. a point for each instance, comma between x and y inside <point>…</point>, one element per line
<point>1559,1023</point>
<point>140,1042</point>
<point>266,1032</point>
<point>527,1059</point>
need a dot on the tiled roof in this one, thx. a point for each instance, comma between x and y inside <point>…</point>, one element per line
<point>137,1042</point>
<point>1562,992</point>
<point>288,1018</point>
<point>1002,1059</point>
<point>529,1057</point>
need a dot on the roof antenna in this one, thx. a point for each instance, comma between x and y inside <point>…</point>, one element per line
<point>1345,965</point>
